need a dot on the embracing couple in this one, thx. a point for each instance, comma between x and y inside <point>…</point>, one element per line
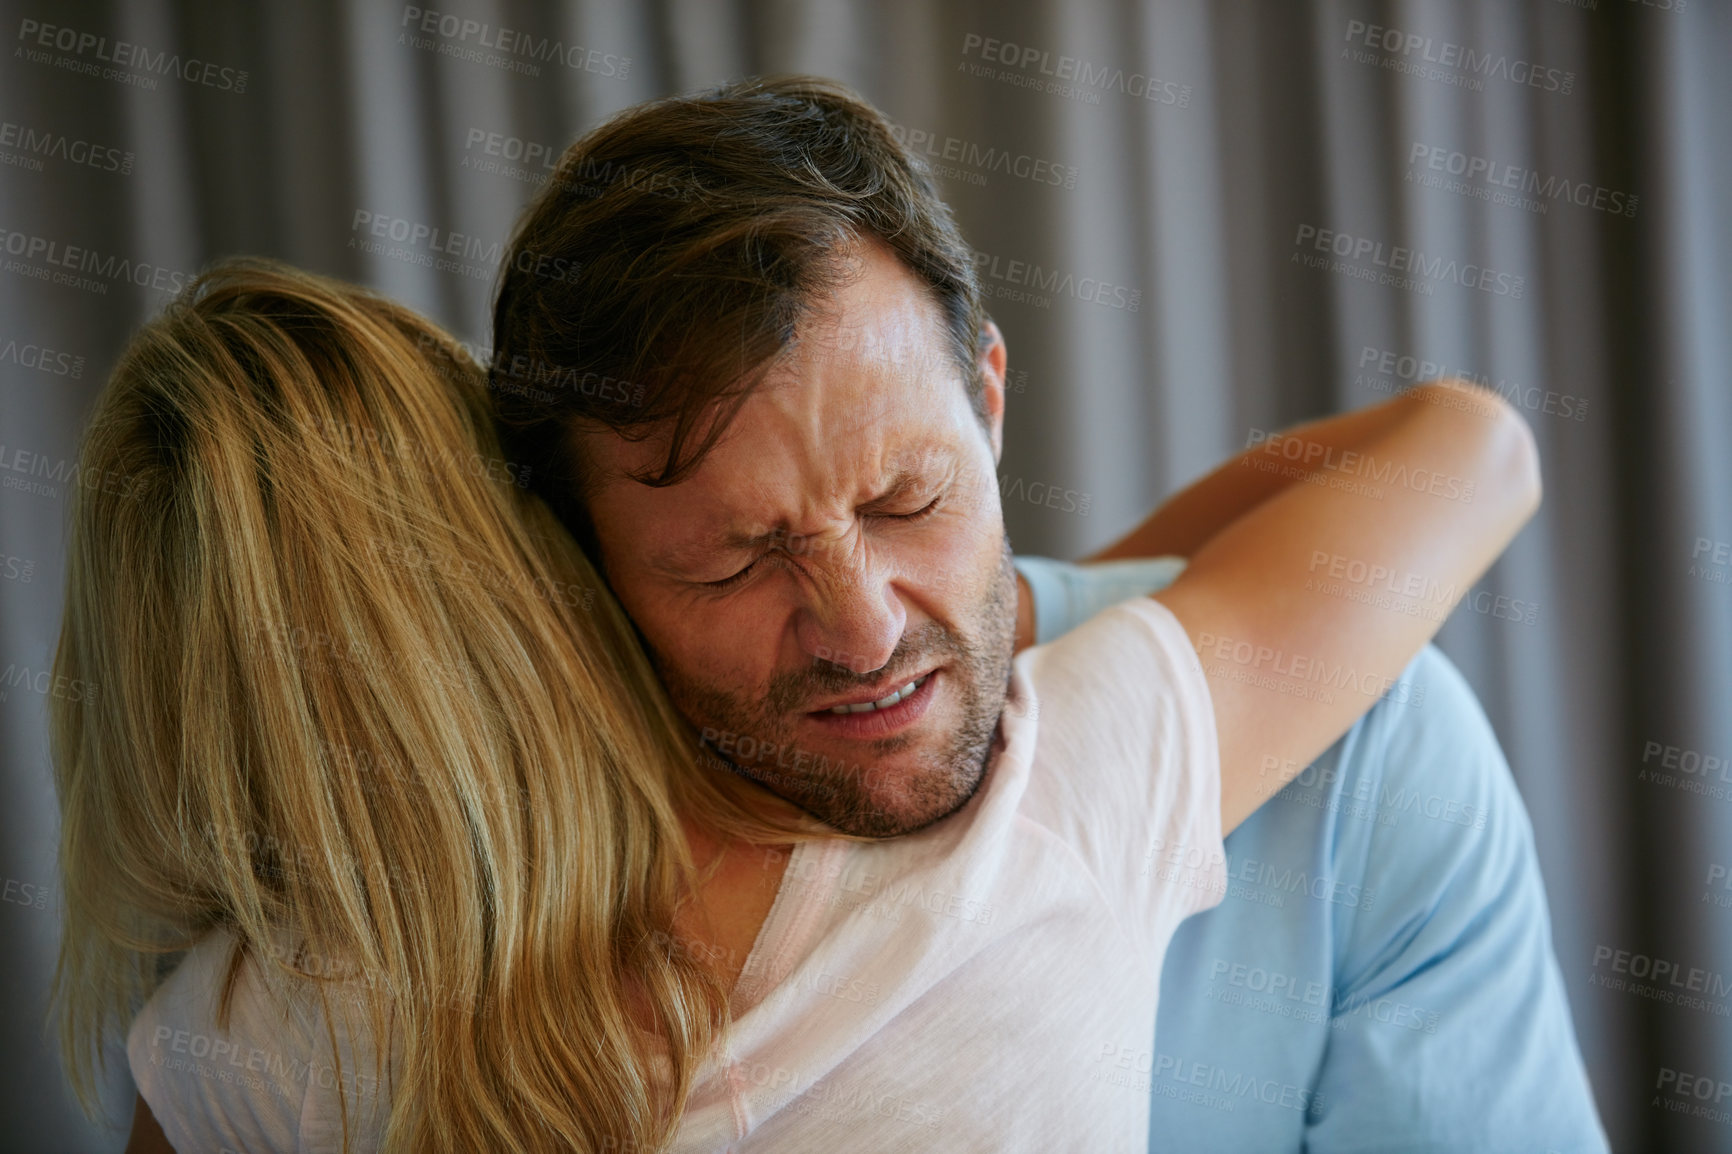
<point>487,759</point>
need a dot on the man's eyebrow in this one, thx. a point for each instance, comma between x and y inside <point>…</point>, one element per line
<point>679,558</point>
<point>900,484</point>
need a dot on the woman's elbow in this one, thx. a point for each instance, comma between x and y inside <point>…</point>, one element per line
<point>1516,458</point>
<point>1507,459</point>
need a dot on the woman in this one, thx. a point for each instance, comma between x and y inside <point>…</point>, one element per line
<point>372,747</point>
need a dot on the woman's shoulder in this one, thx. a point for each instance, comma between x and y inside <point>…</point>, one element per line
<point>261,1079</point>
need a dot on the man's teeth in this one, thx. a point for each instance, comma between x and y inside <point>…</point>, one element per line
<point>883,702</point>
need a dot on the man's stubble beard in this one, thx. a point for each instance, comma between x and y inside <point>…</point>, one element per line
<point>861,798</point>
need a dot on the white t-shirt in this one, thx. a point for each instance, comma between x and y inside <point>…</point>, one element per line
<point>986,984</point>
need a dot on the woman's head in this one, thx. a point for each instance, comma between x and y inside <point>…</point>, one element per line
<point>354,683</point>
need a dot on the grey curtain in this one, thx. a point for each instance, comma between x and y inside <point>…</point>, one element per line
<point>1197,221</point>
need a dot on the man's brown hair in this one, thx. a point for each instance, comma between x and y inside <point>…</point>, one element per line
<point>671,255</point>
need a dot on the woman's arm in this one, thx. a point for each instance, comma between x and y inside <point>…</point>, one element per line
<point>1187,519</point>
<point>1295,652</point>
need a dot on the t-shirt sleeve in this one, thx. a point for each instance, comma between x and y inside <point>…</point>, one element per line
<point>1066,593</point>
<point>1127,764</point>
<point>266,1083</point>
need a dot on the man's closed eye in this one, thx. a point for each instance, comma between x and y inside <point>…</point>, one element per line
<point>751,567</point>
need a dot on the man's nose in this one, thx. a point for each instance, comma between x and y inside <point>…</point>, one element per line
<point>854,618</point>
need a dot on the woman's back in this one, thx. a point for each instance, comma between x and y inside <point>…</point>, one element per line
<point>358,691</point>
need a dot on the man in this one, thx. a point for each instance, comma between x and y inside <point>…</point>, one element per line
<point>1380,976</point>
<point>739,342</point>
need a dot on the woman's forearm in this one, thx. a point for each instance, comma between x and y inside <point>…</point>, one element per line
<point>1189,518</point>
<point>1305,609</point>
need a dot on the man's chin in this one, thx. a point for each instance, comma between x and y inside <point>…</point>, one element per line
<point>897,797</point>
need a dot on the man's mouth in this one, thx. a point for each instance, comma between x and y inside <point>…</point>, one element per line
<point>885,716</point>
<point>884,702</point>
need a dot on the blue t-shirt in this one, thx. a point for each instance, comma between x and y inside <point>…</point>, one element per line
<point>1380,976</point>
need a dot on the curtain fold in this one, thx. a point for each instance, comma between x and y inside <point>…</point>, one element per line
<point>1182,211</point>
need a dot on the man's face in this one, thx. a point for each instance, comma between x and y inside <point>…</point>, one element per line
<point>841,542</point>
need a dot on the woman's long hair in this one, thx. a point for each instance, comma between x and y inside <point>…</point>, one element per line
<point>349,680</point>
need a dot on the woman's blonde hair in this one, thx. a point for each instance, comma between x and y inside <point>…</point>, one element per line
<point>352,682</point>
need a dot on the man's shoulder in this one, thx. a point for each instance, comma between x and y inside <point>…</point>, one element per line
<point>1439,755</point>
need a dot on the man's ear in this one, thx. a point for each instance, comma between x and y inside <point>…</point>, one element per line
<point>991,364</point>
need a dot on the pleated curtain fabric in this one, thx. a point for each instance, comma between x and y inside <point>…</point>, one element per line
<point>1195,222</point>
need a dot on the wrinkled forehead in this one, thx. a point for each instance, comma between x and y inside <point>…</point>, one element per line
<point>888,327</point>
<point>866,393</point>
<point>819,439</point>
